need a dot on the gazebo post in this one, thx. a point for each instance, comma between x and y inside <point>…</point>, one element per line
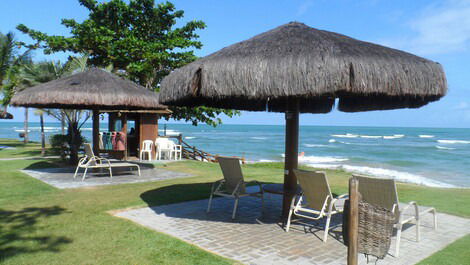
<point>96,132</point>
<point>291,154</point>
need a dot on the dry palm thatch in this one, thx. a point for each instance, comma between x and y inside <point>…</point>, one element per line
<point>5,115</point>
<point>92,89</point>
<point>295,61</point>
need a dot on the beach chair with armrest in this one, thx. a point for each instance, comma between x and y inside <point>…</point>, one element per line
<point>91,161</point>
<point>383,193</point>
<point>233,184</point>
<point>316,201</point>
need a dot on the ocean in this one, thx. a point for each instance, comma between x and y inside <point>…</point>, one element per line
<point>437,157</point>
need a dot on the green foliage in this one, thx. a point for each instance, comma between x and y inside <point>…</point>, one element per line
<point>58,144</point>
<point>137,37</point>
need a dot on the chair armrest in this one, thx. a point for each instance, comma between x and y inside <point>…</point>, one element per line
<point>343,197</point>
<point>218,183</point>
<point>415,205</point>
<point>257,183</point>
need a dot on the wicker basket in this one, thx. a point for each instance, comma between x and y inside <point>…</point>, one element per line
<point>375,229</point>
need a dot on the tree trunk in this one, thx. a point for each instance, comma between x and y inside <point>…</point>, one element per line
<point>74,142</point>
<point>62,121</point>
<point>43,137</point>
<point>25,127</point>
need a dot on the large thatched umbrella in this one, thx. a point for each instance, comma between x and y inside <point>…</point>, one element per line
<point>94,89</point>
<point>5,115</point>
<point>295,68</point>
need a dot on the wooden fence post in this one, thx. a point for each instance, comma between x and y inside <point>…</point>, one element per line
<point>353,225</point>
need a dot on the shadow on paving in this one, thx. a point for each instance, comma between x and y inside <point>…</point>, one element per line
<point>18,231</point>
<point>249,208</point>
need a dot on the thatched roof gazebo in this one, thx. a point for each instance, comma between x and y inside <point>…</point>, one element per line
<point>5,115</point>
<point>94,89</point>
<point>91,89</point>
<point>298,69</point>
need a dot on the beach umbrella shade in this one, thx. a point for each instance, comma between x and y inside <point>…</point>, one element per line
<point>94,89</point>
<point>298,69</point>
<point>5,115</point>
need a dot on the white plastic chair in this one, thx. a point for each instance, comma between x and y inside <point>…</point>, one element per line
<point>177,150</point>
<point>147,146</point>
<point>163,146</point>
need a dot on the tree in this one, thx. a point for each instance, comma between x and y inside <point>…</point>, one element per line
<point>11,66</point>
<point>43,72</point>
<point>139,39</point>
<point>40,113</point>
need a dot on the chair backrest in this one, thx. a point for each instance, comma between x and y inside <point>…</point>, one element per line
<point>315,187</point>
<point>162,143</point>
<point>147,145</point>
<point>379,192</point>
<point>89,153</point>
<point>232,172</point>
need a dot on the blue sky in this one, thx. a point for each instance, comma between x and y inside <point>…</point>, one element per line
<point>437,30</point>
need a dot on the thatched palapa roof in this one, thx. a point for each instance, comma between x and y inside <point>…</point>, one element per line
<point>295,61</point>
<point>5,115</point>
<point>92,89</point>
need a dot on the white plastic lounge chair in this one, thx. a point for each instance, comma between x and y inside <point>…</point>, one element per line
<point>147,146</point>
<point>92,161</point>
<point>233,184</point>
<point>177,151</point>
<point>316,200</point>
<point>163,147</point>
<point>383,193</point>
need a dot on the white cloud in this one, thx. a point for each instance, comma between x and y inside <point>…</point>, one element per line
<point>439,29</point>
<point>462,106</point>
<point>304,7</point>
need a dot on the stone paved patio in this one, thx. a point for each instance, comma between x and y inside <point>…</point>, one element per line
<point>259,239</point>
<point>62,178</point>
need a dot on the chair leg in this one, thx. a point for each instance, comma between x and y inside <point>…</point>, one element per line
<point>435,218</point>
<point>235,206</point>
<point>76,171</point>
<point>210,202</point>
<point>397,244</point>
<point>291,210</point>
<point>84,174</point>
<point>327,227</point>
<point>138,169</point>
<point>110,173</point>
<point>418,224</point>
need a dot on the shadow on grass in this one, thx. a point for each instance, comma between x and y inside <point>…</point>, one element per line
<point>249,208</point>
<point>18,232</point>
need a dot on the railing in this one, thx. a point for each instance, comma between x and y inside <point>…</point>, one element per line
<point>193,153</point>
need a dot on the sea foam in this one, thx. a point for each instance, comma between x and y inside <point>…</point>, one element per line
<point>316,145</point>
<point>444,148</point>
<point>321,159</point>
<point>453,142</point>
<point>386,173</point>
<point>348,135</point>
<point>425,136</point>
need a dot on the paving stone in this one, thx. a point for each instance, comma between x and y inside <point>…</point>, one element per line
<point>259,239</point>
<point>62,178</point>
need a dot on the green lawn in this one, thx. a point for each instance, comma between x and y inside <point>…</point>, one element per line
<point>21,149</point>
<point>43,225</point>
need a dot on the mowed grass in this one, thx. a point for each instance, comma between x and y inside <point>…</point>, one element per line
<point>40,224</point>
<point>20,149</point>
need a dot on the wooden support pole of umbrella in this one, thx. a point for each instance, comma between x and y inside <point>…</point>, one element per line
<point>96,132</point>
<point>291,154</point>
